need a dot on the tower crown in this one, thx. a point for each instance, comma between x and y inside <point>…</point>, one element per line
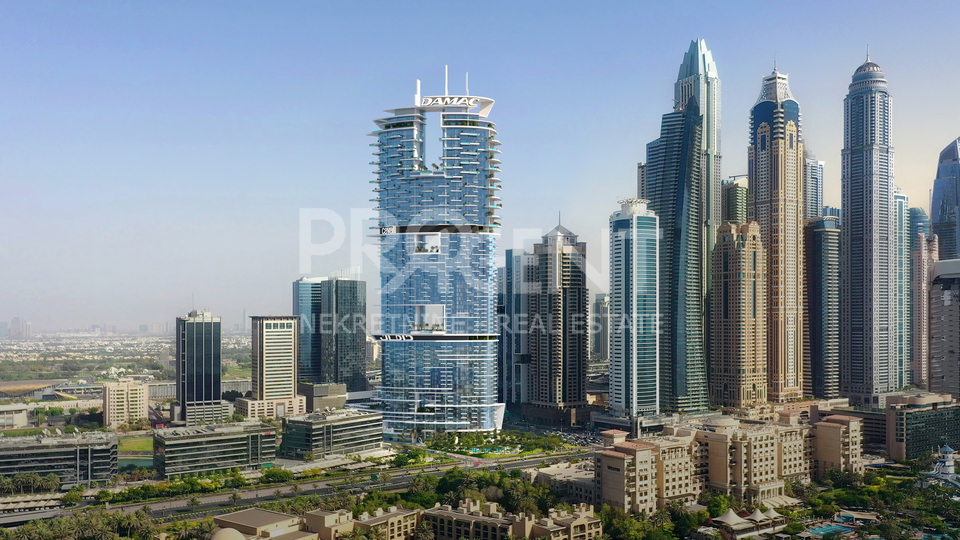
<point>868,76</point>
<point>776,88</point>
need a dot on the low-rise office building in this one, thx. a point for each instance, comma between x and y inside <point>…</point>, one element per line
<point>919,424</point>
<point>341,432</point>
<point>14,416</point>
<point>79,459</point>
<point>203,449</point>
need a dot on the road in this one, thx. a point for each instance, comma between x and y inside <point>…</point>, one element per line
<point>174,509</point>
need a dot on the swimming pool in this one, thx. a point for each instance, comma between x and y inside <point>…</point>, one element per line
<point>835,529</point>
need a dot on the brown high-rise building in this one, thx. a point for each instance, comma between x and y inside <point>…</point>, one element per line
<point>738,318</point>
<point>775,201</point>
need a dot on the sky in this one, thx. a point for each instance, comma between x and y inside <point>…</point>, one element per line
<point>157,157</point>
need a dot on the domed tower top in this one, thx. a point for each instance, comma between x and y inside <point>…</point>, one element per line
<point>869,76</point>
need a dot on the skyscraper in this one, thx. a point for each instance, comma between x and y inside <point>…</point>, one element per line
<point>833,211</point>
<point>308,307</point>
<point>634,309</point>
<point>600,327</point>
<point>945,203</point>
<point>698,79</point>
<point>822,259</point>
<point>738,329</point>
<point>812,186</point>
<point>519,282</point>
<point>733,197</point>
<point>641,179</point>
<point>903,293</point>
<point>559,311</point>
<point>674,188</point>
<point>925,256</point>
<point>868,368</point>
<point>198,369</point>
<point>332,315</point>
<point>944,321</point>
<point>775,196</point>
<point>437,232</point>
<point>274,369</point>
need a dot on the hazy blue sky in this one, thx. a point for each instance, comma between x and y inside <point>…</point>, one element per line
<point>153,151</point>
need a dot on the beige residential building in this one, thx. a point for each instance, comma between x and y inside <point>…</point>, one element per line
<point>471,520</point>
<point>397,523</point>
<point>274,351</point>
<point>924,258</point>
<point>838,444</point>
<point>749,460</point>
<point>775,201</point>
<point>738,318</point>
<point>625,474</point>
<point>260,523</point>
<point>124,402</point>
<point>570,481</point>
<point>485,521</point>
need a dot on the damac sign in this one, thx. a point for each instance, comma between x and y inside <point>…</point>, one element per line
<point>396,337</point>
<point>449,101</point>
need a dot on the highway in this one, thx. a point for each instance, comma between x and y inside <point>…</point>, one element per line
<point>168,510</point>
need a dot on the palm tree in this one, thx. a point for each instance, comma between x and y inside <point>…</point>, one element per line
<point>235,497</point>
<point>423,532</point>
<point>660,518</point>
<point>296,488</point>
<point>193,502</point>
<point>377,533</point>
<point>277,493</point>
<point>62,529</point>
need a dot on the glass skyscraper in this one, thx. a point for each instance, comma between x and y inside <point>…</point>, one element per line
<point>674,188</point>
<point>946,200</point>
<point>332,316</point>
<point>519,277</point>
<point>775,201</point>
<point>812,186</point>
<point>634,306</point>
<point>903,294</point>
<point>199,369</point>
<point>868,366</point>
<point>822,258</point>
<point>437,231</point>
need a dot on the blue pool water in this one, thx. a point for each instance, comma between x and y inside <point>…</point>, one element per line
<point>827,529</point>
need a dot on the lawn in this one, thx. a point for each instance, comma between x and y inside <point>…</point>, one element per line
<point>136,444</point>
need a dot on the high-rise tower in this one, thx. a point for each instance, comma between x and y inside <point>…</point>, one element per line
<point>925,257</point>
<point>944,320</point>
<point>867,269</point>
<point>822,259</point>
<point>733,197</point>
<point>775,201</point>
<point>945,203</point>
<point>332,315</point>
<point>903,293</point>
<point>634,306</point>
<point>698,78</point>
<point>437,229</point>
<point>519,282</point>
<point>812,186</point>
<point>559,309</point>
<point>673,186</point>
<point>738,348</point>
<point>198,369</point>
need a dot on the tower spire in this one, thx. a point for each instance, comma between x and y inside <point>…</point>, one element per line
<point>868,52</point>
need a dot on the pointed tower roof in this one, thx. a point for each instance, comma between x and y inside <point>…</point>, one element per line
<point>560,230</point>
<point>776,88</point>
<point>757,515</point>
<point>698,60</point>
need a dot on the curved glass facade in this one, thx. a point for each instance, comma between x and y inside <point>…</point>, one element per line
<point>438,276</point>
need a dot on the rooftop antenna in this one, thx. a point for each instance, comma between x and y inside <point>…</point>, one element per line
<point>559,221</point>
<point>868,52</point>
<point>194,300</point>
<point>774,62</point>
<point>446,80</point>
<point>416,97</point>
<point>467,86</point>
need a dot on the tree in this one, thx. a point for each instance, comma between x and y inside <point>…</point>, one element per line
<point>718,505</point>
<point>74,496</point>
<point>423,532</point>
<point>231,395</point>
<point>235,497</point>
<point>193,502</point>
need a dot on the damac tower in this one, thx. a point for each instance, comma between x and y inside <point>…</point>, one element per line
<point>437,231</point>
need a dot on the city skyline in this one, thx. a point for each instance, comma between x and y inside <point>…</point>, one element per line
<point>98,166</point>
